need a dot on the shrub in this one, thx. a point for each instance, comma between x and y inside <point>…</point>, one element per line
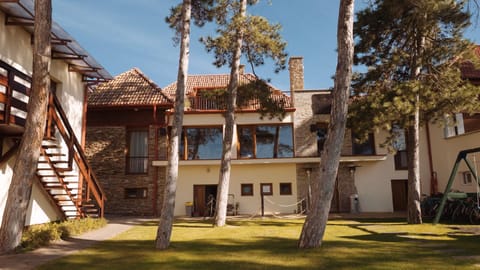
<point>39,235</point>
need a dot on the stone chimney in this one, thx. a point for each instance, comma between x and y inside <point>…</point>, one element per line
<point>241,69</point>
<point>295,67</point>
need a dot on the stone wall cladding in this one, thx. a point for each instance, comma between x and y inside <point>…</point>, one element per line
<point>306,146</point>
<point>106,148</point>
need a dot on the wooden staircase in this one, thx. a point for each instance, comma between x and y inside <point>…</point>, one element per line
<point>64,171</point>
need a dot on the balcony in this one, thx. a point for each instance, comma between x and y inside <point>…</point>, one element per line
<point>219,103</point>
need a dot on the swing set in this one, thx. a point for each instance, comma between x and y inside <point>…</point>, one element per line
<point>462,155</point>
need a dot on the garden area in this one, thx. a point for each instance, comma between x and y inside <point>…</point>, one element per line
<point>271,244</point>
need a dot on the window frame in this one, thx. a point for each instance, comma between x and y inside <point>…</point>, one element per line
<point>281,192</point>
<point>242,191</point>
<point>128,149</point>
<point>184,140</point>
<point>370,142</point>
<point>398,160</point>
<point>140,193</point>
<point>270,185</point>
<point>253,131</point>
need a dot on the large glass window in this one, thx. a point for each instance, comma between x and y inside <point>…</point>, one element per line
<point>137,156</point>
<point>265,141</point>
<point>201,143</point>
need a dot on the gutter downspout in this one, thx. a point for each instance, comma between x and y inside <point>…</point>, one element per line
<point>433,175</point>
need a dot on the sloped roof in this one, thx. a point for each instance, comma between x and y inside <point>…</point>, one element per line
<point>468,69</point>
<point>216,81</point>
<point>22,12</point>
<point>131,88</point>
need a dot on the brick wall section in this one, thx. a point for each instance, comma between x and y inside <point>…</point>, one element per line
<point>105,148</point>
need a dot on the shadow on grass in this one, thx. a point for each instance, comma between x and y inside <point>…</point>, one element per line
<point>371,250</point>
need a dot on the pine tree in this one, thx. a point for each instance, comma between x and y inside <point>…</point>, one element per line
<point>413,52</point>
<point>179,20</point>
<point>26,163</point>
<point>323,187</point>
<point>238,34</point>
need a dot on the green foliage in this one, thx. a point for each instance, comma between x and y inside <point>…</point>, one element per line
<point>39,235</point>
<point>202,12</point>
<point>411,48</point>
<point>259,90</point>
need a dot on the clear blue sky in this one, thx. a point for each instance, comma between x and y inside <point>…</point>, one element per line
<point>122,34</point>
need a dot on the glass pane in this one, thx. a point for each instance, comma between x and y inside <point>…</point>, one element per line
<point>138,151</point>
<point>204,143</point>
<point>266,137</point>
<point>365,148</point>
<point>246,142</point>
<point>285,142</point>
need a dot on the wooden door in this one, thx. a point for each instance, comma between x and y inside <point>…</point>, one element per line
<point>400,195</point>
<point>198,200</point>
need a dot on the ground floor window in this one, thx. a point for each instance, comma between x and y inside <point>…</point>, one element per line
<point>135,193</point>
<point>137,154</point>
<point>285,188</point>
<point>247,189</point>
<point>266,188</point>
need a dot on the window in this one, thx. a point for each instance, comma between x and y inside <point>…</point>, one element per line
<point>265,141</point>
<point>400,144</point>
<point>201,143</point>
<point>266,188</point>
<point>285,188</point>
<point>137,155</point>
<point>365,148</point>
<point>247,189</point>
<point>467,178</point>
<point>461,123</point>
<point>135,193</point>
<point>322,130</point>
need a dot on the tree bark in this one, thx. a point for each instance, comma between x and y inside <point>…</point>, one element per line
<point>323,187</point>
<point>414,212</point>
<point>27,159</point>
<point>164,230</point>
<point>225,167</point>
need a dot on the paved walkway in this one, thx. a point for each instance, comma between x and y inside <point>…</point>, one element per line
<point>35,258</point>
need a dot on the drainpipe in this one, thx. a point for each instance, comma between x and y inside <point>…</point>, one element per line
<point>433,175</point>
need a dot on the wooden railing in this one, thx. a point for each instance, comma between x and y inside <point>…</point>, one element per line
<point>219,103</point>
<point>14,96</point>
<point>88,183</point>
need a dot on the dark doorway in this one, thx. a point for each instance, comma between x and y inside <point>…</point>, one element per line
<point>400,195</point>
<point>335,206</point>
<point>204,197</point>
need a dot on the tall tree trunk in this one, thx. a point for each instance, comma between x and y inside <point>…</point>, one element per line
<point>414,213</point>
<point>323,187</point>
<point>26,164</point>
<point>164,230</point>
<point>225,167</point>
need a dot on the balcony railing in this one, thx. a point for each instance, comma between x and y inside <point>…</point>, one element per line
<point>201,103</point>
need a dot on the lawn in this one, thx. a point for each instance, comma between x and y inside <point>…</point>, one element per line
<point>271,244</point>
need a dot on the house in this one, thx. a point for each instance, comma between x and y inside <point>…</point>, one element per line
<point>127,131</point>
<point>64,186</point>
<point>274,157</point>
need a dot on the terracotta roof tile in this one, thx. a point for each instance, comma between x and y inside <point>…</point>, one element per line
<point>129,88</point>
<point>216,81</point>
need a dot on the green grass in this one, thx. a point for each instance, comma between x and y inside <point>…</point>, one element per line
<point>271,244</point>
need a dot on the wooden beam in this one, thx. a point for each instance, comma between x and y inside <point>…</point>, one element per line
<point>17,20</point>
<point>67,56</point>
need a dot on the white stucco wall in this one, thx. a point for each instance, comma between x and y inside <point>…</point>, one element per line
<point>16,50</point>
<point>246,174</point>
<point>444,153</point>
<point>373,179</point>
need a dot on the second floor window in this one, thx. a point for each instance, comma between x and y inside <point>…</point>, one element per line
<point>137,155</point>
<point>265,141</point>
<point>201,143</point>
<point>364,148</point>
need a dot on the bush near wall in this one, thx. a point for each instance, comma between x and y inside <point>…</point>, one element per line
<point>36,236</point>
